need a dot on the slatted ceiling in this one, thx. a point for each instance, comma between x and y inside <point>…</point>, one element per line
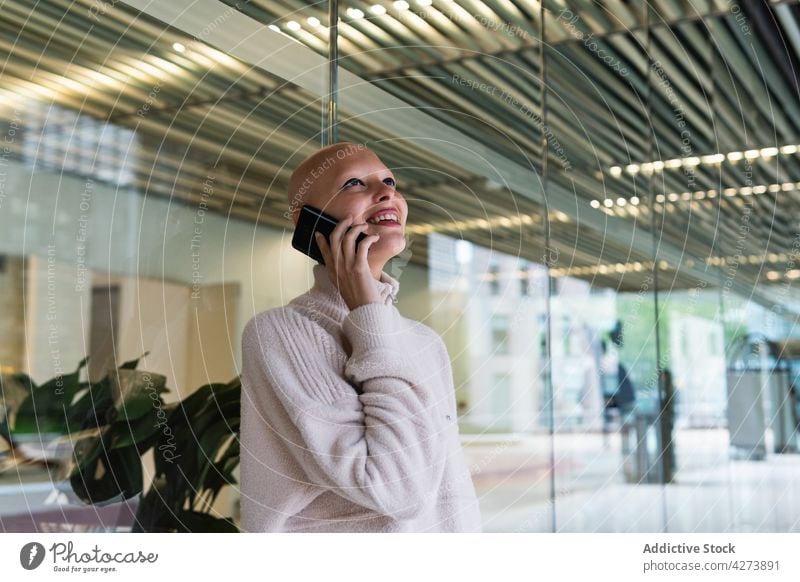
<point>449,205</point>
<point>612,140</point>
<point>778,67</point>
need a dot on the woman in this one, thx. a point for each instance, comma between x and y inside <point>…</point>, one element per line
<point>348,408</point>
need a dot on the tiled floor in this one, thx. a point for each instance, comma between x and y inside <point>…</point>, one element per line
<point>512,477</point>
<point>710,492</point>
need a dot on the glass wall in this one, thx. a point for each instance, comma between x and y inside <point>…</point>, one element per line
<point>141,182</point>
<point>602,228</point>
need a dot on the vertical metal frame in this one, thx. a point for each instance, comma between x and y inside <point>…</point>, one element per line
<point>655,227</point>
<point>548,363</point>
<point>330,112</point>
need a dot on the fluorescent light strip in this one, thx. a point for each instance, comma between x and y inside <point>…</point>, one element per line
<point>485,223</point>
<point>354,14</point>
<point>709,160</point>
<point>751,259</point>
<point>699,195</point>
<point>477,224</point>
<point>611,268</point>
<point>790,274</point>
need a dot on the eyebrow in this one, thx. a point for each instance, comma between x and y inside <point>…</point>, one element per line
<point>342,178</point>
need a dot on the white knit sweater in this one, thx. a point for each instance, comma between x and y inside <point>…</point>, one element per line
<point>349,420</point>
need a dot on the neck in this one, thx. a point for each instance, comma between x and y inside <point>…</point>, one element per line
<point>376,269</point>
<point>387,285</point>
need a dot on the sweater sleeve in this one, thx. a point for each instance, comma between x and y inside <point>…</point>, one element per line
<point>384,449</point>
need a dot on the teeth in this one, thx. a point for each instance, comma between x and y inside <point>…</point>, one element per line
<point>388,216</point>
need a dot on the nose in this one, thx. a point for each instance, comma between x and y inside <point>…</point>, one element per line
<point>386,192</point>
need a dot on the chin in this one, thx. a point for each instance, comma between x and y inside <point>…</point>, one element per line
<point>389,248</point>
<point>399,247</point>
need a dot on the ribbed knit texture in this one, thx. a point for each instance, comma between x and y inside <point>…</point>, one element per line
<point>349,420</point>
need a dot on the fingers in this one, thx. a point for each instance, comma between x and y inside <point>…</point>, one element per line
<point>324,249</point>
<point>349,243</point>
<point>334,244</point>
<point>363,247</point>
<point>341,245</point>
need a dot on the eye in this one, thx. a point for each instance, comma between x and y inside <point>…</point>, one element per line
<point>352,182</point>
<point>390,182</point>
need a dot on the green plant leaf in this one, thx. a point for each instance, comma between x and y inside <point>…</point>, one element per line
<point>131,364</point>
<point>135,432</point>
<point>24,380</point>
<point>106,474</point>
<point>46,409</point>
<point>138,390</point>
<point>91,409</point>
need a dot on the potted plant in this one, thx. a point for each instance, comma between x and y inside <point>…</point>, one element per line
<point>112,423</point>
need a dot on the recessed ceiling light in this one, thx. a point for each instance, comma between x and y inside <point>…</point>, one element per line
<point>355,13</point>
<point>769,152</point>
<point>178,47</point>
<point>313,21</point>
<point>377,9</point>
<point>292,25</point>
<point>401,5</point>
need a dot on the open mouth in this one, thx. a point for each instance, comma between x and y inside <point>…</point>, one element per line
<point>385,218</point>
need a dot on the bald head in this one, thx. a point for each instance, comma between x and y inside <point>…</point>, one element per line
<point>309,180</point>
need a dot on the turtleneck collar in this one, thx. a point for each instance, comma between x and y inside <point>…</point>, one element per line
<point>330,301</point>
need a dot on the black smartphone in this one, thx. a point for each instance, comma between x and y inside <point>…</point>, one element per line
<point>313,220</point>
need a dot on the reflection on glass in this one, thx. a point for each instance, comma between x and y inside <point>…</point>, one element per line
<point>493,326</point>
<point>60,140</point>
<point>138,177</point>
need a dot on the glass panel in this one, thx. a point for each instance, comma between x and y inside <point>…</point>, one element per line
<point>489,308</point>
<point>452,106</point>
<point>622,331</point>
<point>134,166</point>
<point>727,386</point>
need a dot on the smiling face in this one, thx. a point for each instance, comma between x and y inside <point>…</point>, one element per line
<point>348,179</point>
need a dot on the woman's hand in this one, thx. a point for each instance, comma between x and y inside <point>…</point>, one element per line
<point>348,268</point>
